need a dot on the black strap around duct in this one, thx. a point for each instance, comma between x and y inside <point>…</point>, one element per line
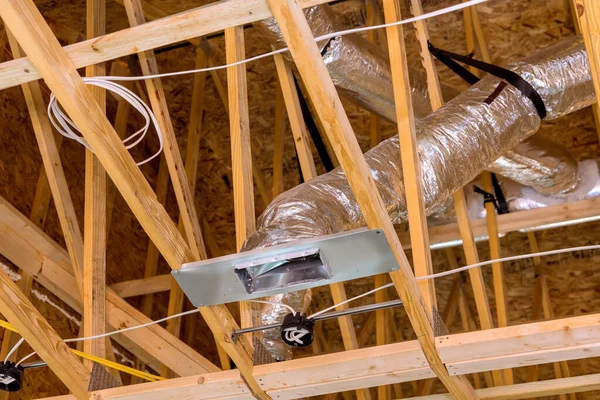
<point>509,76</point>
<point>313,130</point>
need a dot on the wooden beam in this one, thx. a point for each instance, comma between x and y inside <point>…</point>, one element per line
<point>158,101</point>
<point>278,147</point>
<point>466,233</point>
<point>200,21</point>
<point>94,241</point>
<point>38,333</point>
<point>581,28</point>
<point>542,302</point>
<point>398,362</point>
<point>590,29</point>
<point>551,387</point>
<point>581,211</point>
<point>474,30</point>
<point>143,286</point>
<point>411,164</point>
<point>241,154</point>
<point>331,113</point>
<point>177,171</point>
<point>294,112</point>
<point>54,171</point>
<point>307,166</point>
<point>61,76</point>
<point>33,251</point>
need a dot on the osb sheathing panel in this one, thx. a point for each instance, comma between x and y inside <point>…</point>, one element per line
<point>514,28</point>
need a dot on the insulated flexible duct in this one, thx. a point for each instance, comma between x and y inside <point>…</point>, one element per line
<point>455,144</point>
<point>361,73</point>
<point>540,164</point>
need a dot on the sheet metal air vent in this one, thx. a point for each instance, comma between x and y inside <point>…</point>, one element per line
<point>286,268</point>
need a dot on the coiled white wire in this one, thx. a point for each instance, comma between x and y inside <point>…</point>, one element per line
<point>66,127</point>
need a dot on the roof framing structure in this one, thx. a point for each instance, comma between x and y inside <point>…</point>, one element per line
<point>76,276</point>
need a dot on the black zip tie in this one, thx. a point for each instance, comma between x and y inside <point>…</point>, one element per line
<point>500,199</point>
<point>509,76</point>
<point>487,196</point>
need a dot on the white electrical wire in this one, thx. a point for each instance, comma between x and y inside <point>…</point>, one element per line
<point>421,278</point>
<point>275,304</point>
<point>461,269</point>
<point>131,328</point>
<point>66,127</point>
<point>437,13</point>
<point>135,327</point>
<point>15,347</point>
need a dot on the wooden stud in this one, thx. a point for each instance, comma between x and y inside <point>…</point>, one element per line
<point>94,245</point>
<point>590,29</point>
<point>435,95</point>
<point>580,29</point>
<point>54,171</point>
<point>294,112</point>
<point>38,333</point>
<point>542,302</point>
<point>474,31</point>
<point>241,154</point>
<point>158,101</point>
<point>330,111</point>
<point>411,165</point>
<point>307,166</point>
<point>278,148</point>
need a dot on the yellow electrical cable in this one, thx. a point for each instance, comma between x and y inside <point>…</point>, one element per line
<point>119,367</point>
<point>8,325</point>
<point>102,361</point>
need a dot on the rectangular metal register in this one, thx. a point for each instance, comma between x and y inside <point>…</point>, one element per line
<point>285,268</point>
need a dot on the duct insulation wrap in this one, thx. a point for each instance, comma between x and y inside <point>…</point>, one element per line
<point>540,164</point>
<point>360,70</point>
<point>455,144</point>
<point>361,73</point>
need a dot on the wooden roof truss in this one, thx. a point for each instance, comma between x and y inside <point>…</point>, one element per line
<point>77,274</point>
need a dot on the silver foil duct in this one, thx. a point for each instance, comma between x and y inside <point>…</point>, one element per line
<point>455,144</point>
<point>540,164</point>
<point>360,70</point>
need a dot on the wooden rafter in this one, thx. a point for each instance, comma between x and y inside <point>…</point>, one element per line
<point>322,92</point>
<point>543,305</point>
<point>473,34</point>
<point>581,28</point>
<point>94,241</point>
<point>241,154</point>
<point>38,333</point>
<point>466,231</point>
<point>278,147</point>
<point>402,362</point>
<point>307,167</point>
